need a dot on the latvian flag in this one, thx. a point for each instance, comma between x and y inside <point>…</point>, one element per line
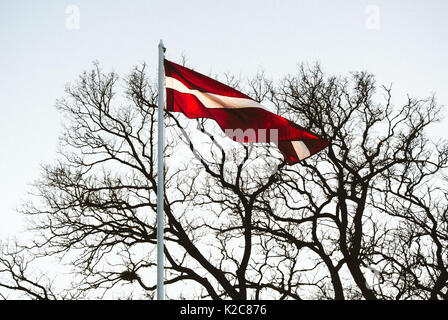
<point>240,117</point>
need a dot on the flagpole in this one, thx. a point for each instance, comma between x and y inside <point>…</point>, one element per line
<point>160,175</point>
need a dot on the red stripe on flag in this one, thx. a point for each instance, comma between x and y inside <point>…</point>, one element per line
<point>194,80</point>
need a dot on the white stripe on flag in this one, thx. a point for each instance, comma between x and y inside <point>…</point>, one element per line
<point>211,100</point>
<point>301,149</point>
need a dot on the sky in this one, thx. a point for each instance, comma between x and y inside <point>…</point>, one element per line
<point>46,44</point>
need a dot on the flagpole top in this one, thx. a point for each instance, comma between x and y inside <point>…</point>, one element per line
<point>162,46</point>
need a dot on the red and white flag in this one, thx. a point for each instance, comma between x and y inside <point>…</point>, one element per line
<point>239,116</point>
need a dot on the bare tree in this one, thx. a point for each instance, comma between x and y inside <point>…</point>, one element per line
<point>372,197</point>
<point>365,218</point>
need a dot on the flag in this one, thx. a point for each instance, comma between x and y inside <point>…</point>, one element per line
<point>240,117</point>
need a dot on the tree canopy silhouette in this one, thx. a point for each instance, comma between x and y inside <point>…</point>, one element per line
<point>366,218</point>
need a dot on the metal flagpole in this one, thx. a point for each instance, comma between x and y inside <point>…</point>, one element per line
<point>160,174</point>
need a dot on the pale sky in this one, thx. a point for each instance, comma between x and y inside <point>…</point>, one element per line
<point>42,48</point>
